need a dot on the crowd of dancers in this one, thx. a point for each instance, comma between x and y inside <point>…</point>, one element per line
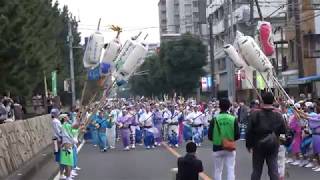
<point>149,123</point>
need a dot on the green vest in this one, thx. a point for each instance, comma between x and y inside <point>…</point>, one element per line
<point>226,124</point>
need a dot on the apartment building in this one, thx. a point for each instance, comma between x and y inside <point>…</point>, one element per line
<point>182,16</point>
<point>229,16</point>
<point>303,77</point>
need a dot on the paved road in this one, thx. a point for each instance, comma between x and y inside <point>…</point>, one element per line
<point>141,164</point>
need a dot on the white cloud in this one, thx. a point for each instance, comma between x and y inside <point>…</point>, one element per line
<point>132,15</point>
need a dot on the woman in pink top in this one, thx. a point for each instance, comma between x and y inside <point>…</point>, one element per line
<point>294,124</point>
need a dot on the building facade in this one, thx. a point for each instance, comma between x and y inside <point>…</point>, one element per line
<point>228,17</point>
<point>182,16</point>
<point>303,70</point>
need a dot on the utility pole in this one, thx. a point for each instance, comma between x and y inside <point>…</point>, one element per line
<point>70,39</point>
<point>252,17</point>
<point>298,41</point>
<point>232,89</point>
<point>212,63</point>
<point>259,10</point>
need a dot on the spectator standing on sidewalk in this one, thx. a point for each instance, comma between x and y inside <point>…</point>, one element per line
<point>223,126</point>
<point>3,112</point>
<point>262,138</point>
<point>189,166</point>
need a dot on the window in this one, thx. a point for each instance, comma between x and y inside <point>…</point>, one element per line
<point>195,3</point>
<point>189,29</point>
<point>195,15</point>
<point>187,8</point>
<point>177,29</point>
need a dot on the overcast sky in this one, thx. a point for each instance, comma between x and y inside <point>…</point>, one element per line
<point>131,15</point>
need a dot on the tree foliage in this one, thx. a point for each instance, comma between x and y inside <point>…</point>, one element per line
<point>33,42</point>
<point>177,69</point>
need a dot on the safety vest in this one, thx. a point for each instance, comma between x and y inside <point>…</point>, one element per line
<point>226,124</point>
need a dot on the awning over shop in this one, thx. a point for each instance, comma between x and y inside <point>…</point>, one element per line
<point>310,78</point>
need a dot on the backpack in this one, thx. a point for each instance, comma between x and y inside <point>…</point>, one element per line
<point>269,143</point>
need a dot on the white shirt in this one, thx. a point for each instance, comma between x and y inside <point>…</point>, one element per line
<point>146,119</point>
<point>198,118</point>
<point>175,117</point>
<point>166,114</point>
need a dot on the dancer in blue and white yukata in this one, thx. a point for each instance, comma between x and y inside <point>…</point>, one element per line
<point>111,132</point>
<point>157,122</point>
<point>146,122</point>
<point>187,124</point>
<point>197,126</point>
<point>139,130</point>
<point>166,115</point>
<point>173,129</point>
<point>133,126</point>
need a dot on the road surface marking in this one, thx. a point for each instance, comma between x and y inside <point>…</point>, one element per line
<point>78,149</point>
<point>203,175</point>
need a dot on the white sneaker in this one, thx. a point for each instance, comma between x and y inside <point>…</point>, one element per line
<point>148,147</point>
<point>112,147</point>
<point>127,148</point>
<point>317,170</point>
<point>153,147</point>
<point>289,160</point>
<point>95,145</point>
<point>296,162</point>
<point>74,173</point>
<point>303,163</point>
<point>309,165</point>
<point>77,168</point>
<point>177,145</point>
<point>133,146</point>
<point>316,167</point>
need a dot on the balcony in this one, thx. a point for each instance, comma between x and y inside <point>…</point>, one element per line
<point>218,27</point>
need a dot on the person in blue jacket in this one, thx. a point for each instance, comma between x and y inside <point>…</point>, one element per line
<point>101,124</point>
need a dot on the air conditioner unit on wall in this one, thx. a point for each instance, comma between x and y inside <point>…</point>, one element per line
<point>315,4</point>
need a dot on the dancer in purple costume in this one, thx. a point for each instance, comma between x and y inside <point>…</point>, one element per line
<point>314,124</point>
<point>124,122</point>
<point>157,121</point>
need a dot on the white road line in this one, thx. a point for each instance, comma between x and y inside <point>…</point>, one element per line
<point>78,149</point>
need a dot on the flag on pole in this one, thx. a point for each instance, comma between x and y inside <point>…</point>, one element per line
<point>54,83</point>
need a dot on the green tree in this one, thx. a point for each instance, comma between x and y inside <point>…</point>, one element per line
<point>178,68</point>
<point>33,41</point>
